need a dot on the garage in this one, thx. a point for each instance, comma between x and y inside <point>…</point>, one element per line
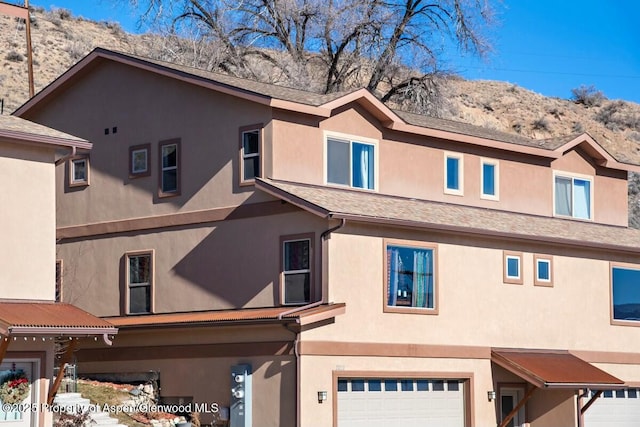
<point>378,402</point>
<point>614,408</point>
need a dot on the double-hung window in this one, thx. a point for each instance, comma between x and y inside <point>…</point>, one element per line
<point>169,177</point>
<point>250,154</point>
<point>572,196</point>
<point>489,179</point>
<point>410,277</point>
<point>351,162</point>
<point>453,174</point>
<point>139,282</point>
<point>625,293</point>
<point>296,270</point>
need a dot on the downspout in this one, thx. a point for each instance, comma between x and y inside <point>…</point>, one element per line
<point>67,157</point>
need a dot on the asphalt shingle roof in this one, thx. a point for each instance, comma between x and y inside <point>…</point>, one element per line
<point>25,127</point>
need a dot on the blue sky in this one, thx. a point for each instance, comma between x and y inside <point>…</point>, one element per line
<point>547,46</point>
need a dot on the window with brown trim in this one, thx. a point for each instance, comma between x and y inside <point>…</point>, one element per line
<point>59,272</point>
<point>169,168</point>
<point>139,162</point>
<point>250,153</point>
<point>410,277</point>
<point>140,278</point>
<point>79,169</point>
<point>543,270</point>
<point>512,269</point>
<point>297,269</point>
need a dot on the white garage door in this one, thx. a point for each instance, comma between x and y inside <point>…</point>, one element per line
<point>615,408</point>
<point>403,402</point>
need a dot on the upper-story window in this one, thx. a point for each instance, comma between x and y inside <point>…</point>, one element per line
<point>453,174</point>
<point>351,162</point>
<point>296,270</point>
<point>139,282</point>
<point>79,171</point>
<point>625,293</point>
<point>250,153</point>
<point>489,179</point>
<point>572,196</point>
<point>169,177</point>
<point>410,277</point>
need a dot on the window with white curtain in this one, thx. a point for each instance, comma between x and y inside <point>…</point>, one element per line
<point>351,163</point>
<point>572,196</point>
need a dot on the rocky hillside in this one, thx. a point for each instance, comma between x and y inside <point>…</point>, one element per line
<point>60,39</point>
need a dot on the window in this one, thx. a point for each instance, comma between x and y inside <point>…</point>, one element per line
<point>79,171</point>
<point>453,177</point>
<point>250,153</point>
<point>625,293</point>
<point>139,282</point>
<point>169,168</point>
<point>410,277</point>
<point>512,268</point>
<point>139,161</point>
<point>489,179</point>
<point>58,292</point>
<point>543,270</point>
<point>296,270</point>
<point>572,196</point>
<point>351,163</point>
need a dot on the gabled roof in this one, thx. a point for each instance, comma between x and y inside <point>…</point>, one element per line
<point>323,105</point>
<point>301,315</point>
<point>363,206</point>
<point>16,129</point>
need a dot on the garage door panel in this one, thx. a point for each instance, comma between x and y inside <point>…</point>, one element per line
<point>405,402</point>
<point>615,408</point>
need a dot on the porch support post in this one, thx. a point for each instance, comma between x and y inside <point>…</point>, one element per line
<point>66,358</point>
<point>4,344</point>
<point>515,410</point>
<point>590,402</point>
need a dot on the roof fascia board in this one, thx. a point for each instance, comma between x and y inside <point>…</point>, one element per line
<point>307,319</point>
<point>483,232</point>
<point>290,198</point>
<point>484,142</point>
<point>597,152</point>
<point>300,108</point>
<point>61,330</point>
<point>370,102</point>
<point>26,137</point>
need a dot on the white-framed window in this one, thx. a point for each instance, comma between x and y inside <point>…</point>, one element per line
<point>512,268</point>
<point>169,176</point>
<point>543,270</point>
<point>79,171</point>
<point>351,161</point>
<point>573,195</point>
<point>139,161</point>
<point>453,173</point>
<point>489,179</point>
<point>140,276</point>
<point>410,277</point>
<point>296,269</point>
<point>249,153</point>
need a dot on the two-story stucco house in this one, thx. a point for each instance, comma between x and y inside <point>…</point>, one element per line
<point>318,260</point>
<point>30,317</point>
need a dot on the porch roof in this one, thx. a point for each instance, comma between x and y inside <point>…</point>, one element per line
<point>302,315</point>
<point>46,318</point>
<point>554,369</point>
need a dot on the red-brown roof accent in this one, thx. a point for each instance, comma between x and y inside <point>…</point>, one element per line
<point>49,318</point>
<point>554,369</point>
<point>303,317</point>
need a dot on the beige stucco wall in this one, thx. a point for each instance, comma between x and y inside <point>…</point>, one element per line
<point>148,109</point>
<point>413,166</point>
<point>28,219</point>
<point>228,264</point>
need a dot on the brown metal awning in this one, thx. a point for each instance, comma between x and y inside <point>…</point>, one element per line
<point>554,369</point>
<point>22,318</point>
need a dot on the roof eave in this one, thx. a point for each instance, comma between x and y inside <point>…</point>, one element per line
<point>32,138</point>
<point>290,198</point>
<point>60,330</point>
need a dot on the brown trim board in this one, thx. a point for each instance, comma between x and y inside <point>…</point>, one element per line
<point>332,348</point>
<point>193,351</point>
<point>175,220</point>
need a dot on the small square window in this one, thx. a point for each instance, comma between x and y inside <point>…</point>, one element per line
<point>543,270</point>
<point>453,174</point>
<point>422,385</point>
<point>79,171</point>
<point>512,268</point>
<point>342,385</point>
<point>406,385</point>
<point>390,385</point>
<point>375,385</point>
<point>139,161</point>
<point>357,385</point>
<point>453,385</point>
<point>632,393</point>
<point>438,385</point>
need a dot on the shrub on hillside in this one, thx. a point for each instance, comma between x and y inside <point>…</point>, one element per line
<point>588,96</point>
<point>14,56</point>
<point>541,124</point>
